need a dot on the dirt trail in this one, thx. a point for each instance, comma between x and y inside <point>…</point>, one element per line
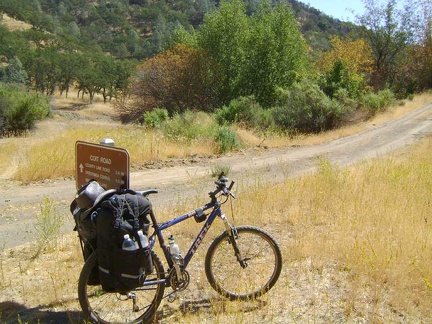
<point>18,204</point>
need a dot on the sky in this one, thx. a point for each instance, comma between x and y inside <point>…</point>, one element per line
<point>339,9</point>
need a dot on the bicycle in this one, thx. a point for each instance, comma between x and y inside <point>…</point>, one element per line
<point>242,263</point>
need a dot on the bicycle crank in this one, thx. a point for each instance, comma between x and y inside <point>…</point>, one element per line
<point>133,296</point>
<point>178,284</point>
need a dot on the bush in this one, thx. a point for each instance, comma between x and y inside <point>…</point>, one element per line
<point>375,102</point>
<point>19,110</point>
<point>156,117</point>
<point>341,78</point>
<point>305,108</point>
<point>343,97</point>
<point>188,126</point>
<point>245,111</point>
<point>227,139</point>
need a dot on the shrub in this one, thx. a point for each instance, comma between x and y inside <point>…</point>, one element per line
<point>380,101</point>
<point>245,111</point>
<point>22,116</point>
<point>156,117</point>
<point>343,97</point>
<point>305,108</point>
<point>49,223</point>
<point>19,110</point>
<point>188,126</point>
<point>227,139</point>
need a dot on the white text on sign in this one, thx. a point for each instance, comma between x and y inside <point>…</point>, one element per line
<point>100,159</point>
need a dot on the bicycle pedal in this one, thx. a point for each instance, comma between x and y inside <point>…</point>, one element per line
<point>171,298</point>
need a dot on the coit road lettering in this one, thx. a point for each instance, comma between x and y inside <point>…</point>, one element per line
<point>105,160</point>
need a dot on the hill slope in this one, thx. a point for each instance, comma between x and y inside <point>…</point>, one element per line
<point>141,28</point>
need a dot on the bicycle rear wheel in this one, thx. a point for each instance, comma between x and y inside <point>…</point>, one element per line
<point>138,306</point>
<point>262,258</point>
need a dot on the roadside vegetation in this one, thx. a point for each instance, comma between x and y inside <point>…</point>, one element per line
<point>253,66</point>
<point>162,138</point>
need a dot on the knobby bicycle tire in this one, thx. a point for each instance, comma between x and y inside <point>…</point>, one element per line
<point>262,255</point>
<point>102,307</point>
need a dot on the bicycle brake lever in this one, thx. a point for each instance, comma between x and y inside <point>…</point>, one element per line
<point>231,185</point>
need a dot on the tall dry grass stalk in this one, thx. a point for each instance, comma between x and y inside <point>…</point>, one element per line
<point>8,148</point>
<point>55,157</point>
<point>373,219</point>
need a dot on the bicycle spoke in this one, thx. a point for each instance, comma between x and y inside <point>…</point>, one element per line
<point>134,307</point>
<point>262,256</point>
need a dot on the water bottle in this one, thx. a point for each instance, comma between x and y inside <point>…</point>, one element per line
<point>143,239</point>
<point>128,243</point>
<point>175,251</point>
<point>147,258</point>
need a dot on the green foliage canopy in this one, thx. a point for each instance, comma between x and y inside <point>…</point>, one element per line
<point>277,52</point>
<point>19,110</point>
<point>254,54</point>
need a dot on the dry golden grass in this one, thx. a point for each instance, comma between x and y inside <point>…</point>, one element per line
<point>53,143</point>
<point>58,153</point>
<point>373,220</point>
<point>7,163</point>
<point>13,24</point>
<point>357,244</point>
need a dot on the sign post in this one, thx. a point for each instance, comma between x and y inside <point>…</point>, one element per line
<point>108,165</point>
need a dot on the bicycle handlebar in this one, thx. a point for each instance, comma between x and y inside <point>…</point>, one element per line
<point>221,185</point>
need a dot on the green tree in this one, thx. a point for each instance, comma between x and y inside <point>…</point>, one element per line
<point>276,52</point>
<point>45,70</point>
<point>254,54</point>
<point>14,72</point>
<point>224,35</point>
<point>69,65</point>
<point>123,70</point>
<point>74,30</point>
<point>388,31</point>
<point>176,80</point>
<point>88,78</point>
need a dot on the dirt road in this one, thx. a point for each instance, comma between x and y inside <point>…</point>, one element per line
<point>19,204</point>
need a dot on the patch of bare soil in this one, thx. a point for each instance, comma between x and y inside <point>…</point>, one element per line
<point>314,293</point>
<point>13,24</point>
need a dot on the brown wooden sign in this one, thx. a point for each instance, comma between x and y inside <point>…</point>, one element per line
<point>107,165</point>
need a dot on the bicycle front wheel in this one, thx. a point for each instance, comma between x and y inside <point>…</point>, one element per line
<point>252,276</point>
<point>138,306</point>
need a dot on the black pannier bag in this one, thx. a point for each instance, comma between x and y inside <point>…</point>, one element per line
<point>86,201</point>
<point>83,208</point>
<point>121,270</point>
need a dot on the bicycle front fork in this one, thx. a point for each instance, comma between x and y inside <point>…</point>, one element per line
<point>233,236</point>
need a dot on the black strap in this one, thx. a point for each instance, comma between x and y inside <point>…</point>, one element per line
<point>134,213</point>
<point>117,211</point>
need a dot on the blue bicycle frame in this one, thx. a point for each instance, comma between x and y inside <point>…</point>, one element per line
<point>158,228</point>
